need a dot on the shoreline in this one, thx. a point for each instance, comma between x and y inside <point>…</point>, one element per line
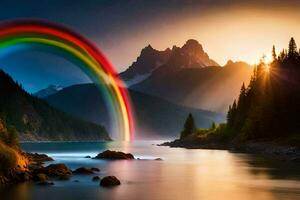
<point>266,149</point>
<point>60,141</point>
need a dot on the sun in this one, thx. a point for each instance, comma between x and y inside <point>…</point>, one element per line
<point>267,68</point>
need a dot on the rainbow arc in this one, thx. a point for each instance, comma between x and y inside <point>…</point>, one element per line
<point>78,49</point>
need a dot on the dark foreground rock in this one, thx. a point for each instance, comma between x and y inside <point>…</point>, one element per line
<point>109,181</point>
<point>40,177</point>
<point>83,170</point>
<point>96,178</point>
<point>38,158</point>
<point>54,170</point>
<point>95,169</point>
<point>114,155</point>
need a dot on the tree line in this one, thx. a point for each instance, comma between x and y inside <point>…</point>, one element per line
<point>269,107</point>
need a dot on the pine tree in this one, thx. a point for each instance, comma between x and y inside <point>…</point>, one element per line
<point>282,55</point>
<point>229,116</point>
<point>274,53</point>
<point>213,125</point>
<point>233,111</point>
<point>292,48</point>
<point>242,94</point>
<point>189,127</point>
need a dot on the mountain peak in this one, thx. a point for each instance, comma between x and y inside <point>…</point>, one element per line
<point>146,63</point>
<point>236,63</point>
<point>193,44</point>
<point>229,62</point>
<point>190,55</point>
<point>147,49</point>
<point>51,89</point>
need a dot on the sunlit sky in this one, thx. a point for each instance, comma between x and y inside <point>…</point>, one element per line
<point>227,29</point>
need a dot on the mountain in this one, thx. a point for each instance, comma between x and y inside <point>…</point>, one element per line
<point>51,89</point>
<point>147,62</point>
<point>34,119</point>
<point>155,117</point>
<point>190,55</point>
<point>187,76</point>
<point>210,88</point>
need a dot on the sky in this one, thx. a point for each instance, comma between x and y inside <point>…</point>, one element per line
<point>227,29</point>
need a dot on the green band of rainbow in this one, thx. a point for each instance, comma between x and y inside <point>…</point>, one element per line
<point>88,57</point>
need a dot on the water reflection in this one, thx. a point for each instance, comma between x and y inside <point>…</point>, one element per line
<point>183,174</point>
<point>18,192</point>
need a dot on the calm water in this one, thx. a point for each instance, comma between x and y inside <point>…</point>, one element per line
<point>183,174</point>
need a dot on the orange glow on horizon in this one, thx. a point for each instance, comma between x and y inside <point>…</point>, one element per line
<point>238,34</point>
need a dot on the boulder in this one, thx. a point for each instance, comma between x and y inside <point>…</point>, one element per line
<point>83,170</point>
<point>40,177</point>
<point>87,157</point>
<point>95,169</point>
<point>114,155</point>
<point>24,176</point>
<point>38,157</point>
<point>54,170</point>
<point>96,178</point>
<point>109,181</point>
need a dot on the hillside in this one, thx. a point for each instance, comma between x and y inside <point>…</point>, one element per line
<point>34,119</point>
<point>155,116</point>
<point>210,88</point>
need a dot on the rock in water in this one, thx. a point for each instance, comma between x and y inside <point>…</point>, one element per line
<point>95,169</point>
<point>40,177</point>
<point>96,178</point>
<point>38,157</point>
<point>54,170</point>
<point>83,170</point>
<point>24,176</point>
<point>109,181</point>
<point>114,155</point>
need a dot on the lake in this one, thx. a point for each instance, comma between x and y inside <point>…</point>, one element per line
<point>183,174</point>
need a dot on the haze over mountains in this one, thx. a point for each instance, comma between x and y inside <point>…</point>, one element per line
<point>187,76</point>
<point>164,86</point>
<point>155,117</point>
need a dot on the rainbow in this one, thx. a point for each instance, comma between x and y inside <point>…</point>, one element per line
<point>75,47</point>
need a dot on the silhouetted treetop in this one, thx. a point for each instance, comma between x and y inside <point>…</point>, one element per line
<point>269,107</point>
<point>189,127</point>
